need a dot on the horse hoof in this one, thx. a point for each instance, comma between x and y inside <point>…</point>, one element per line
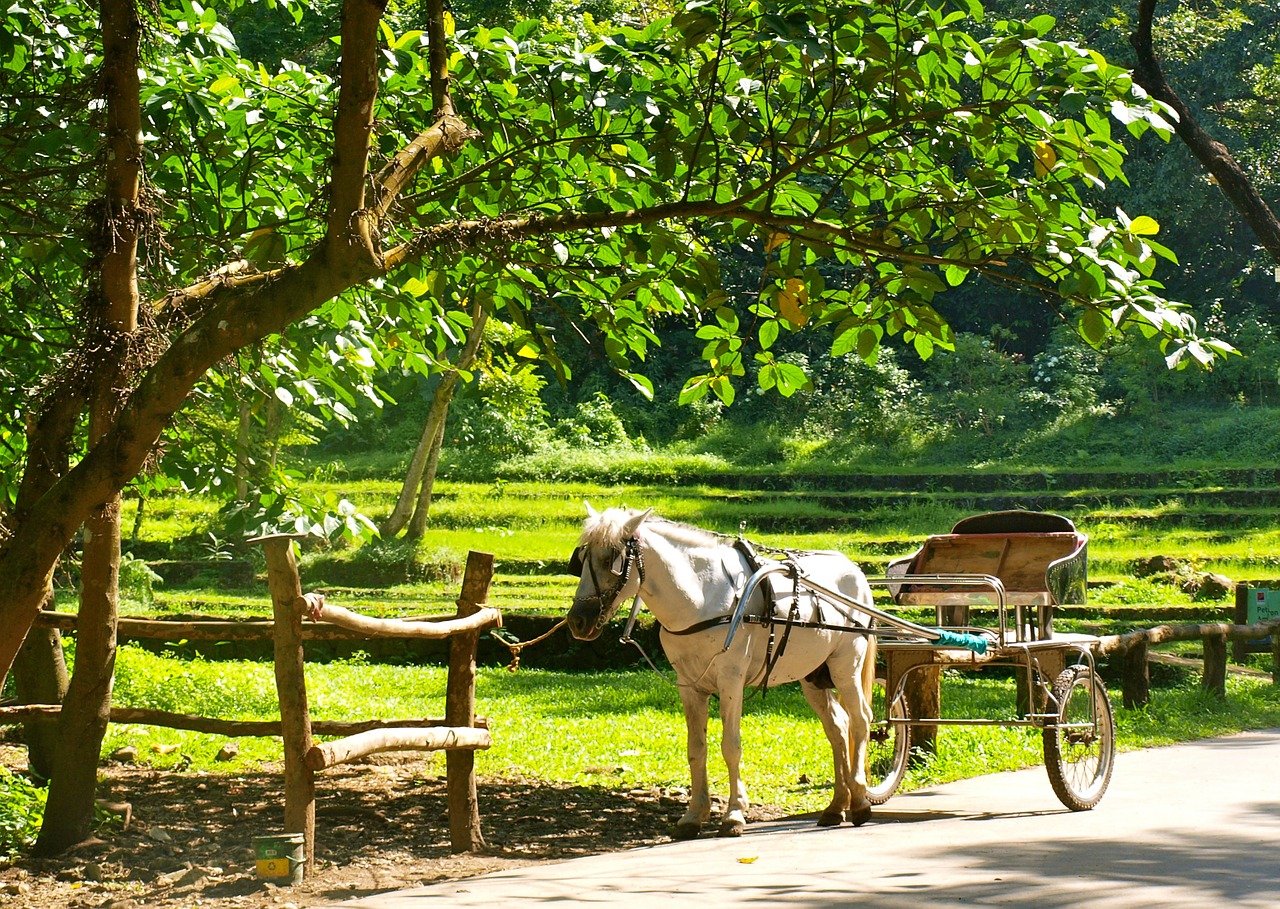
<point>687,831</point>
<point>859,816</point>
<point>830,819</point>
<point>731,828</point>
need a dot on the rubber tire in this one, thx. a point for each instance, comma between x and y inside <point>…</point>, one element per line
<point>1079,761</point>
<point>887,760</point>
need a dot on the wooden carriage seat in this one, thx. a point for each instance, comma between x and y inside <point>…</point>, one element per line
<point>1040,558</point>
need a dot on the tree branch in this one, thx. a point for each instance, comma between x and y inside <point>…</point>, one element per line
<point>1213,155</point>
<point>353,127</point>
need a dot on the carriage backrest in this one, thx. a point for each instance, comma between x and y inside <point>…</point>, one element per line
<point>1022,562</point>
<point>1040,558</point>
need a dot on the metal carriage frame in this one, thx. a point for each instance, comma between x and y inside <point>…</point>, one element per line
<point>1059,689</point>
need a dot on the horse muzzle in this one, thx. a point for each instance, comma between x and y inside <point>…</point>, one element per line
<point>586,620</point>
<point>589,615</point>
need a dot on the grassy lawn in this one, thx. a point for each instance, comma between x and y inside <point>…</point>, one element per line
<point>625,730</point>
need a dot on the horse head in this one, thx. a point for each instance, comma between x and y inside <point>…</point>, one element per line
<point>610,568</point>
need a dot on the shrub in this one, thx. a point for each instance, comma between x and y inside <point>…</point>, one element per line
<point>137,580</point>
<point>978,387</point>
<point>593,424</point>
<point>383,563</point>
<point>21,813</point>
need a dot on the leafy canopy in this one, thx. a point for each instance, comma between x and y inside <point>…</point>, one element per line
<point>873,153</point>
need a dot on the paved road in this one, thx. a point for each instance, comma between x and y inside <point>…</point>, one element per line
<point>1186,826</point>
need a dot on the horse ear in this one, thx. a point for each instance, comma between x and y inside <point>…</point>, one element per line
<point>633,523</point>
<point>591,512</point>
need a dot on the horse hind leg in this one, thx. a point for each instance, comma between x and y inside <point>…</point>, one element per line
<point>854,689</point>
<point>835,723</point>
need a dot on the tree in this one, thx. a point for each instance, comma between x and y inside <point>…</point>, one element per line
<point>875,152</point>
<point>1212,154</point>
<point>413,505</point>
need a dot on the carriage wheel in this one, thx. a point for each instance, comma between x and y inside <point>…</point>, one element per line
<point>888,748</point>
<point>1080,745</point>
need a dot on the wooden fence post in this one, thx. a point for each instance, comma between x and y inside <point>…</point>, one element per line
<point>291,685</point>
<point>1215,664</point>
<point>1239,646</point>
<point>460,708</point>
<point>1137,676</point>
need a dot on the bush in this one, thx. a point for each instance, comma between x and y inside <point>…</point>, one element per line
<point>979,388</point>
<point>382,563</point>
<point>21,813</point>
<point>503,417</point>
<point>879,401</point>
<point>593,424</point>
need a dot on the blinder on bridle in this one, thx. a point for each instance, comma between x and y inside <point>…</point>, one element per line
<point>603,599</point>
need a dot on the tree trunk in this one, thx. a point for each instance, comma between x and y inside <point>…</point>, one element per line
<point>86,711</point>
<point>422,511</point>
<point>415,493</point>
<point>1214,156</point>
<point>40,676</point>
<point>68,818</point>
<point>399,516</point>
<point>40,669</point>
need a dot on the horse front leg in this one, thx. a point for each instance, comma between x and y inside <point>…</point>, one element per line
<point>695,720</point>
<point>734,821</point>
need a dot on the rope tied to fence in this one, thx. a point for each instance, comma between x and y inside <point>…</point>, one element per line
<point>515,646</point>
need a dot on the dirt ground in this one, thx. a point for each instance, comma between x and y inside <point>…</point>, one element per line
<point>381,825</point>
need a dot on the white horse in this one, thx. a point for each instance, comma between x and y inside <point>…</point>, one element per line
<point>690,580</point>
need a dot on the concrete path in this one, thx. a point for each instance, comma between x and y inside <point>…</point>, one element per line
<point>1186,826</point>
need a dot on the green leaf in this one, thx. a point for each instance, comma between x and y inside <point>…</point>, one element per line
<point>1144,226</point>
<point>694,389</point>
<point>641,384</point>
<point>768,333</point>
<point>868,342</point>
<point>1094,326</point>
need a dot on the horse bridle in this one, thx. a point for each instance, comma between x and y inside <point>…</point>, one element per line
<point>602,600</point>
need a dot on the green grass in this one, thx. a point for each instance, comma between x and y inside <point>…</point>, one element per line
<point>623,730</point>
<point>531,527</point>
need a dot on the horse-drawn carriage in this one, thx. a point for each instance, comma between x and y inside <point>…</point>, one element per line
<point>1015,567</point>
<point>732,619</point>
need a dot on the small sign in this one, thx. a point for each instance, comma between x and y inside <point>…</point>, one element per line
<point>1264,605</point>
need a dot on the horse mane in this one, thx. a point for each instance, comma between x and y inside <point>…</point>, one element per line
<point>605,529</point>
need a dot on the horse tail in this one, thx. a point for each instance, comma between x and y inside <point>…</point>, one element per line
<point>869,669</point>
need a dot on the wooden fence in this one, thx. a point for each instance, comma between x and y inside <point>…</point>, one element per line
<point>1133,649</point>
<point>459,732</point>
